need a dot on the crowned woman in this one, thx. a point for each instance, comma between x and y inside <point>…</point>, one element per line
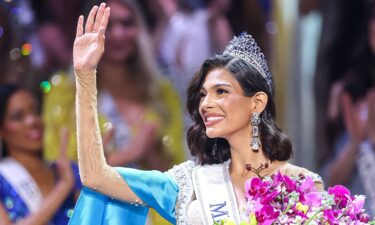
<point>234,138</point>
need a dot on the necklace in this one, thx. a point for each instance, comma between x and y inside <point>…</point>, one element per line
<point>257,171</point>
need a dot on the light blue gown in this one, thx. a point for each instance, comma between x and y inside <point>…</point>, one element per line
<point>158,190</point>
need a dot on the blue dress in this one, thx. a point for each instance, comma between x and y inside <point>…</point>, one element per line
<point>17,209</point>
<point>157,189</point>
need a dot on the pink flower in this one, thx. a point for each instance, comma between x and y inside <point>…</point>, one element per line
<point>341,195</point>
<point>358,203</point>
<point>255,188</point>
<point>313,199</point>
<point>287,181</point>
<point>307,185</point>
<point>252,187</point>
<point>266,215</point>
<point>269,197</point>
<point>329,215</point>
<point>365,218</point>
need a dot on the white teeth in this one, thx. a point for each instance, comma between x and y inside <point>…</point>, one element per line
<point>213,118</point>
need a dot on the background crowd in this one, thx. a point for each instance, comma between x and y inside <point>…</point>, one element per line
<point>321,53</point>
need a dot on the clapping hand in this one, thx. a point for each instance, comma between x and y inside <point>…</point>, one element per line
<point>66,176</point>
<point>89,42</point>
<point>355,123</point>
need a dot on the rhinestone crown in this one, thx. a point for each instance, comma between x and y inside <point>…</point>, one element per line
<point>245,47</point>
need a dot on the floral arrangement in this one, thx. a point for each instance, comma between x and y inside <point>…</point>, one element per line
<point>281,199</point>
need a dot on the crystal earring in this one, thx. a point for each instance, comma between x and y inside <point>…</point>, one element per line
<point>255,141</point>
<point>214,148</point>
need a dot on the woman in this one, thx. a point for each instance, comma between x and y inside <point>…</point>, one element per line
<point>142,106</point>
<point>228,92</point>
<point>31,191</point>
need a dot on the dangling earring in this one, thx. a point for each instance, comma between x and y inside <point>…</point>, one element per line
<point>214,148</point>
<point>255,141</point>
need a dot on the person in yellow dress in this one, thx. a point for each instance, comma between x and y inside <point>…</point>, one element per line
<point>140,110</point>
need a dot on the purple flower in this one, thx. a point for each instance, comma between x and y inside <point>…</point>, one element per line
<point>330,216</point>
<point>358,203</point>
<point>307,185</point>
<point>252,187</point>
<point>341,195</point>
<point>313,199</point>
<point>365,218</point>
<point>269,197</point>
<point>266,215</point>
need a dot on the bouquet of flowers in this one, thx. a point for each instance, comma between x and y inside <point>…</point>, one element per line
<point>281,199</point>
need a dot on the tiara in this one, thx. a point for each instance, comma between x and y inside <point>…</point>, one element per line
<point>245,47</point>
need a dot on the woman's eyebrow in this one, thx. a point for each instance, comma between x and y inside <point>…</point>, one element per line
<point>218,85</point>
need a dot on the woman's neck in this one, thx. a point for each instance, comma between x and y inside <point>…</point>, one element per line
<point>242,154</point>
<point>116,79</point>
<point>31,161</point>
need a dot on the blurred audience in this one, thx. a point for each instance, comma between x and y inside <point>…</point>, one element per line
<point>185,35</point>
<point>32,191</point>
<point>140,105</point>
<point>352,161</point>
<point>55,35</point>
<point>14,50</point>
<point>351,116</point>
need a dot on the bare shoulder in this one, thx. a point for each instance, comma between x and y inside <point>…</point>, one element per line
<point>293,170</point>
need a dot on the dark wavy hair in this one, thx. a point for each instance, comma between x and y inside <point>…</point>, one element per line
<point>6,92</point>
<point>275,144</point>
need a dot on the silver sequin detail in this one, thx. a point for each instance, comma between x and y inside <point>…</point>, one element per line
<point>182,175</point>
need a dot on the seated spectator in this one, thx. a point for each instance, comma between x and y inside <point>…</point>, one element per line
<point>32,191</point>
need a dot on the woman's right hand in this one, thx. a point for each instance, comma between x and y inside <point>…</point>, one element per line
<point>89,43</point>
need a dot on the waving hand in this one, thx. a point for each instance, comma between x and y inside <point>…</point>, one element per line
<point>89,42</point>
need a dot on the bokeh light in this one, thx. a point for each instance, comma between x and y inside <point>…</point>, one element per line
<point>272,27</point>
<point>1,31</point>
<point>8,1</point>
<point>45,86</point>
<point>69,213</point>
<point>16,11</point>
<point>15,54</point>
<point>56,80</point>
<point>26,49</point>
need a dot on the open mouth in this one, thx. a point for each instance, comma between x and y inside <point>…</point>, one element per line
<point>212,119</point>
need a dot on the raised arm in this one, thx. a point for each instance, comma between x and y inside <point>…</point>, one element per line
<point>88,48</point>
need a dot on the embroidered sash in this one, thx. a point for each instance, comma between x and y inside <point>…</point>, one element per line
<point>20,179</point>
<point>366,168</point>
<point>214,192</point>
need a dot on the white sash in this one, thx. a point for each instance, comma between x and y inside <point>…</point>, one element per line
<point>214,192</point>
<point>20,179</point>
<point>366,168</point>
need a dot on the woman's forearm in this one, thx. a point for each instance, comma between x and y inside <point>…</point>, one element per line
<point>91,159</point>
<point>94,171</point>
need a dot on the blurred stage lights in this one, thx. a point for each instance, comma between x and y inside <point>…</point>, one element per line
<point>16,11</point>
<point>56,80</point>
<point>45,86</point>
<point>8,1</point>
<point>1,31</point>
<point>15,54</point>
<point>26,49</point>
<point>272,27</point>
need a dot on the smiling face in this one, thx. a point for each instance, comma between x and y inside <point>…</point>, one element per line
<point>223,107</point>
<point>22,128</point>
